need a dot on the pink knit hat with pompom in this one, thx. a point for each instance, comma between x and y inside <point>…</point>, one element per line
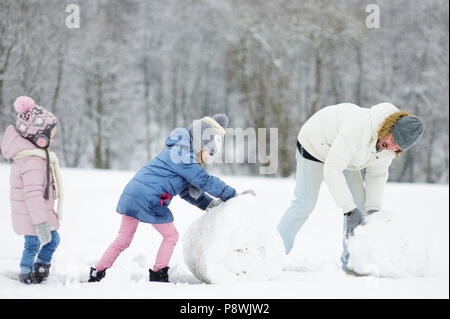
<point>33,121</point>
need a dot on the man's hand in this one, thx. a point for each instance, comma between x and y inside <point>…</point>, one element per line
<point>354,219</point>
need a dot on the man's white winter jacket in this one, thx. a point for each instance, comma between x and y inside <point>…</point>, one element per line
<point>344,137</point>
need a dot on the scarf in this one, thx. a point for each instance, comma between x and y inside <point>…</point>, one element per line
<point>53,164</point>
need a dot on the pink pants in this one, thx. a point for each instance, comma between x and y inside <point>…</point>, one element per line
<point>127,230</point>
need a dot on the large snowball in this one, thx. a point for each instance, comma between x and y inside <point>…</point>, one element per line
<point>396,245</point>
<point>233,242</point>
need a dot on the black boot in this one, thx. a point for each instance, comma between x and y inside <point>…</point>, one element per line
<point>95,275</point>
<point>27,278</point>
<point>160,275</point>
<point>41,272</point>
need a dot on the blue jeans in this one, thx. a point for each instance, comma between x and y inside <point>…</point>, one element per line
<point>31,249</point>
<point>309,176</point>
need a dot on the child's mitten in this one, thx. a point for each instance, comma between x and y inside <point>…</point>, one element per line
<point>214,203</point>
<point>44,232</point>
<point>248,191</point>
<point>194,192</point>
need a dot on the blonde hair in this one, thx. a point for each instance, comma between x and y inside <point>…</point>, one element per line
<point>388,124</point>
<point>200,157</point>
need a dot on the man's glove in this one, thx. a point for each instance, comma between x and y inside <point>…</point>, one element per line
<point>214,203</point>
<point>370,212</point>
<point>354,219</point>
<point>248,191</point>
<point>44,232</point>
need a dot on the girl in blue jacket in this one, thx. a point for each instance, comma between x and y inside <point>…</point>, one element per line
<point>177,170</point>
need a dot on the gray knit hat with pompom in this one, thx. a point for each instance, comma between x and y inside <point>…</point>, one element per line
<point>208,132</point>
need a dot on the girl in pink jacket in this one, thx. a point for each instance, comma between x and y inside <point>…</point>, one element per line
<point>35,184</point>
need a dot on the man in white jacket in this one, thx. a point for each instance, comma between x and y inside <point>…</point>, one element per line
<point>335,144</point>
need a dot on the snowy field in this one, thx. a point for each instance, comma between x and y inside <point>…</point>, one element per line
<point>405,249</point>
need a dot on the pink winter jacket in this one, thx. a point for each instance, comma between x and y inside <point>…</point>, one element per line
<point>28,180</point>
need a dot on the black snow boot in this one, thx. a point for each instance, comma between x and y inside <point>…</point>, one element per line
<point>95,275</point>
<point>41,272</point>
<point>27,278</point>
<point>160,275</point>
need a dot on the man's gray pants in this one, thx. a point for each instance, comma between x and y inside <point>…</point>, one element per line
<point>309,176</point>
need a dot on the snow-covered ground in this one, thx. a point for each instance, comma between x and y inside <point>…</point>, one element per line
<point>410,259</point>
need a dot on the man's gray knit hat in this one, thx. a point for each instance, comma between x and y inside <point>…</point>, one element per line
<point>407,131</point>
<point>208,132</point>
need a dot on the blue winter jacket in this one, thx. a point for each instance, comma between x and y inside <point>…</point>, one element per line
<point>148,195</point>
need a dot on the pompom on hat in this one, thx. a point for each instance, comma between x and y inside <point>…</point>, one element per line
<point>221,119</point>
<point>24,104</point>
<point>33,121</point>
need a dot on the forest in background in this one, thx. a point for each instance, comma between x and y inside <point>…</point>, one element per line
<point>135,70</point>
